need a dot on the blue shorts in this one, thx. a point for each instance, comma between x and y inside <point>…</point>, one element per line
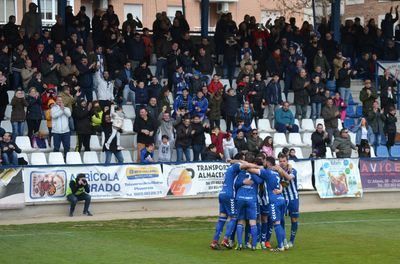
<point>264,209</point>
<point>277,210</point>
<point>227,206</point>
<point>247,210</point>
<point>293,208</point>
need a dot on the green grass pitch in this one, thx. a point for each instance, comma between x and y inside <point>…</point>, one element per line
<point>371,236</point>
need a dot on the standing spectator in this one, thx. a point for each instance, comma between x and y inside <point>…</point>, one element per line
<point>316,92</point>
<point>11,30</point>
<point>18,115</point>
<point>141,95</point>
<point>183,141</point>
<point>260,56</point>
<point>284,120</point>
<point>364,136</point>
<point>135,49</point>
<point>367,97</point>
<point>257,88</point>
<point>254,142</point>
<point>215,85</point>
<point>228,145</point>
<point>142,73</point>
<point>5,60</point>
<point>301,99</point>
<point>321,61</point>
<point>153,109</point>
<point>3,95</point>
<point>272,96</point>
<point>58,32</point>
<point>230,53</point>
<point>47,116</point>
<point>387,24</point>
<point>166,126</point>
<point>105,88</point>
<point>32,21</point>
<point>61,132</point>
<point>214,114</point>
<point>49,71</point>
<point>145,127</point>
<point>330,114</point>
<point>126,79</point>
<point>198,137</point>
<point>319,142</point>
<point>33,112</point>
<point>341,106</point>
<point>338,64</point>
<point>268,147</point>
<point>164,150</point>
<point>111,17</point>
<point>390,52</point>
<point>85,78</point>
<point>211,154</point>
<point>200,105</point>
<point>83,24</point>
<point>82,115</point>
<point>231,105</point>
<point>246,114</point>
<point>27,74</point>
<point>38,56</point>
<point>342,145</point>
<point>9,150</point>
<point>204,63</point>
<point>388,98</point>
<point>68,101</point>
<point>216,138</point>
<point>343,82</point>
<point>390,126</point>
<point>112,148</point>
<point>376,119</point>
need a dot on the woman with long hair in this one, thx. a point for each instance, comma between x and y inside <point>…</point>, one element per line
<point>268,147</point>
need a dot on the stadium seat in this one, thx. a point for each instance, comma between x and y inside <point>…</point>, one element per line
<point>320,121</point>
<point>331,85</point>
<point>10,94</point>
<point>225,83</point>
<point>350,112</point>
<point>351,100</point>
<point>340,125</point>
<point>129,111</point>
<point>293,109</point>
<point>43,127</point>
<point>56,158</point>
<point>296,122</point>
<point>90,157</point>
<point>263,135</point>
<point>24,156</point>
<point>307,139</point>
<point>6,125</point>
<point>38,158</point>
<point>7,113</point>
<point>352,137</point>
<point>395,151</point>
<point>328,153</point>
<point>280,139</point>
<point>152,69</point>
<point>295,139</point>
<point>94,143</point>
<point>208,138</point>
<point>349,123</point>
<point>299,153</point>
<point>24,143</point>
<point>307,125</point>
<point>372,152</point>
<point>127,156</point>
<point>354,153</point>
<point>73,158</point>
<point>359,111</point>
<point>265,126</point>
<point>253,124</point>
<point>382,152</point>
<point>222,125</point>
<point>277,150</point>
<point>290,97</point>
<point>128,126</point>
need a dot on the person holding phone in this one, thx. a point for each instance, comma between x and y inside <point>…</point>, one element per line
<point>78,190</point>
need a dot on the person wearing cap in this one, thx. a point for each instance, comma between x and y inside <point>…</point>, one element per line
<point>342,145</point>
<point>78,190</point>
<point>32,21</point>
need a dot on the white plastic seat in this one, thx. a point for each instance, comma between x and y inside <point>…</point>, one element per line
<point>265,126</point>
<point>263,135</point>
<point>253,124</point>
<point>222,125</point>
<point>94,143</point>
<point>38,158</point>
<point>295,139</point>
<point>340,126</point>
<point>73,158</point>
<point>11,94</point>
<point>7,113</point>
<point>299,153</point>
<point>24,156</point>
<point>297,122</point>
<point>128,126</point>
<point>129,111</point>
<point>290,97</point>
<point>90,157</point>
<point>307,125</point>
<point>208,139</point>
<point>6,125</point>
<point>153,69</point>
<point>56,158</point>
<point>352,137</point>
<point>354,153</point>
<point>328,153</point>
<point>24,144</point>
<point>372,152</point>
<point>126,154</point>
<point>280,139</point>
<point>320,121</point>
<point>293,109</point>
<point>307,139</point>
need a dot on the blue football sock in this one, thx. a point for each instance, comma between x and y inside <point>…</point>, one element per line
<point>254,235</point>
<point>283,223</point>
<point>247,234</point>
<point>270,229</point>
<point>233,232</point>
<point>230,227</point>
<point>219,227</point>
<point>279,237</point>
<point>293,231</point>
<point>264,230</point>
<point>239,233</point>
<point>259,231</point>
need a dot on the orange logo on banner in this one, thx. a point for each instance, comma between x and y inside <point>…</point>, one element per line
<point>178,187</point>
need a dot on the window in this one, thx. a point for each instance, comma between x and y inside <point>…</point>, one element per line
<point>48,9</point>
<point>267,14</point>
<point>135,10</point>
<point>171,12</point>
<point>354,2</point>
<point>7,8</point>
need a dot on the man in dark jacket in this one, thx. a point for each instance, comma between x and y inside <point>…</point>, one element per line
<point>198,138</point>
<point>231,104</point>
<point>145,127</point>
<point>82,115</point>
<point>10,30</point>
<point>260,56</point>
<point>85,78</point>
<point>9,150</point>
<point>320,140</point>
<point>135,48</point>
<point>272,95</point>
<point>240,142</point>
<point>49,71</point>
<point>107,129</point>
<point>78,190</point>
<point>184,133</point>
<point>376,119</point>
<point>301,98</point>
<point>388,23</point>
<point>367,97</point>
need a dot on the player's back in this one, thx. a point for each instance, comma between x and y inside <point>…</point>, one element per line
<point>246,192</point>
<point>290,192</point>
<point>228,188</point>
<point>272,179</point>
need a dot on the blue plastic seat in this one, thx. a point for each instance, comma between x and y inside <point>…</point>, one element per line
<point>395,151</point>
<point>359,112</point>
<point>349,123</point>
<point>382,152</point>
<point>350,111</point>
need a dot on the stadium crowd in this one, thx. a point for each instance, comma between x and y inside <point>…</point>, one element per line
<point>81,74</point>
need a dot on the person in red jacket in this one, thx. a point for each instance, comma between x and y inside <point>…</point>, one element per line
<point>49,93</point>
<point>216,138</point>
<point>215,85</point>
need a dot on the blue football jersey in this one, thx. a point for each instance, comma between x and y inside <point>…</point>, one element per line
<point>247,192</point>
<point>228,188</point>
<point>272,179</point>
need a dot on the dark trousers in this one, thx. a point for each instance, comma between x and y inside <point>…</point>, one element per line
<point>281,128</point>
<point>33,126</point>
<point>73,199</point>
<point>88,93</point>
<point>390,139</point>
<point>230,120</point>
<point>65,138</point>
<point>2,111</point>
<point>197,150</point>
<point>215,123</point>
<point>83,140</point>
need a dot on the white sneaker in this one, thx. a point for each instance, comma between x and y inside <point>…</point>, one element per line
<point>285,244</point>
<point>107,145</point>
<point>120,148</point>
<point>282,249</point>
<point>290,244</point>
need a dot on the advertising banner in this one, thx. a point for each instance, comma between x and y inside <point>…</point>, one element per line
<point>380,174</point>
<point>11,188</point>
<point>337,178</point>
<point>195,178</point>
<point>304,174</point>
<point>105,182</point>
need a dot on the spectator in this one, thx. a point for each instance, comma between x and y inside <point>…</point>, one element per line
<point>390,126</point>
<point>111,17</point>
<point>105,88</point>
<point>388,98</point>
<point>228,145</point>
<point>364,136</point>
<point>78,190</point>
<point>366,153</point>
<point>387,24</point>
<point>58,32</point>
<point>341,106</point>
<point>33,112</point>
<point>3,95</point>
<point>260,55</point>
<point>204,63</point>
<point>231,105</point>
<point>38,56</point>
<point>9,150</point>
<point>145,127</point>
<point>330,114</point>
<point>301,98</point>
<point>246,114</point>
<point>82,114</point>
<point>11,30</point>
<point>97,117</point>
<point>183,142</point>
<point>18,115</point>
<point>338,64</point>
<point>211,154</point>
<point>108,131</point>
<point>126,78</point>
<point>367,97</point>
<point>141,95</point>
<point>343,81</point>
<point>5,60</point>
<point>165,150</point>
<point>179,81</point>
<point>131,22</point>
<point>86,79</point>
<point>142,73</point>
<point>198,138</point>
<point>67,68</point>
<point>376,120</point>
<point>153,109</point>
<point>49,71</point>
<point>240,142</point>
<point>254,96</point>
<point>342,145</point>
<point>217,137</point>
<point>200,105</point>
<point>292,154</point>
<point>147,154</point>
<point>230,53</point>
<point>284,120</point>
<point>321,61</point>
<point>390,52</point>
<point>48,118</point>
<point>319,141</point>
<point>32,21</point>
<point>135,49</point>
<point>268,147</point>
<point>254,142</point>
<point>214,113</point>
<point>215,85</point>
<point>27,74</point>
<point>272,96</point>
<point>60,127</point>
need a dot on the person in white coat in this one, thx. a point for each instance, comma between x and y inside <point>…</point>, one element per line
<point>60,126</point>
<point>104,88</point>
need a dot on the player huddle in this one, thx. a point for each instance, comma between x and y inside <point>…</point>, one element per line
<point>253,201</point>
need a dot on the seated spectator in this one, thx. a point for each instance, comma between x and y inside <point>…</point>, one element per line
<point>67,68</point>
<point>200,105</point>
<point>292,154</point>
<point>254,142</point>
<point>215,85</point>
<point>246,60</point>
<point>78,190</point>
<point>154,88</point>
<point>366,153</point>
<point>147,154</point>
<point>211,154</point>
<point>342,145</point>
<point>319,142</point>
<point>364,135</point>
<point>18,115</point>
<point>284,120</point>
<point>228,145</point>
<point>240,142</point>
<point>37,82</point>
<point>321,61</point>
<point>241,127</point>
<point>268,147</point>
<point>390,52</point>
<point>390,126</point>
<point>9,150</point>
<point>108,131</point>
<point>165,150</point>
